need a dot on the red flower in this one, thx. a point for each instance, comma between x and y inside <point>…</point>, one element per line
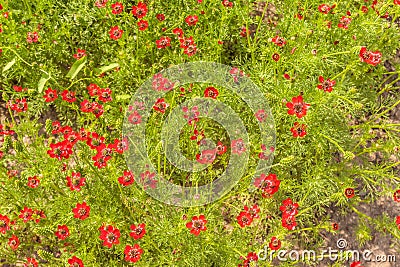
<point>238,147</point>
<point>297,107</point>
<point>344,22</point>
<point>115,33</point>
<point>398,221</point>
<point>178,31</point>
<point>38,215</point>
<point>192,115</point>
<point>13,242</point>
<point>120,146</point>
<point>147,179</point>
<point>276,57</point>
<point>190,50</point>
<point>326,85</point>
<point>253,211</point>
<point>349,192</point>
<point>206,156</point>
<point>396,2</point>
<point>299,130</point>
<point>160,17</point>
<point>93,89</point>
<point>268,184</point>
<point>227,3</point>
<point>372,58</point>
<point>335,226</point>
<point>140,10</point>
<point>365,9</point>
<point>127,178</point>
<point>261,115</point>
<point>143,25</point>
<point>289,222</point>
<point>32,37</point>
<point>211,92</point>
<point>33,182</point>
<point>4,224</point>
<point>197,224</point>
<point>244,219</point>
<point>356,264</point>
<point>31,262</point>
<point>81,211</point>
<point>20,105</point>
<point>80,53</point>
<point>101,3</point>
<point>68,96</point>
<point>117,8</point>
<point>133,253</point>
<point>26,214</point>
<point>105,95</point>
<point>86,106</point>
<point>289,208</point>
<point>138,231</point>
<point>50,95</point>
<point>75,182</point>
<point>135,118</point>
<point>75,262</point>
<point>110,235</point>
<point>161,105</point>
<point>163,42</point>
<point>396,196</point>
<point>221,148</point>
<point>279,41</point>
<point>19,88</point>
<point>275,243</point>
<point>62,232</point>
<point>94,140</point>
<point>97,109</point>
<point>60,150</point>
<point>191,20</point>
<point>324,8</point>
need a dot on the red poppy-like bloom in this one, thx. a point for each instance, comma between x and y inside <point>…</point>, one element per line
<point>115,33</point>
<point>344,22</point>
<point>20,105</point>
<point>398,221</point>
<point>297,107</point>
<point>161,105</point>
<point>140,10</point>
<point>197,135</point>
<point>120,146</point>
<point>95,140</point>
<point>227,3</point>
<point>33,182</point>
<point>4,224</point>
<point>244,219</point>
<point>299,130</point>
<point>206,156</point>
<point>75,181</point>
<point>289,208</point>
<point>101,3</point>
<point>127,179</point>
<point>62,232</point>
<point>289,222</point>
<point>335,226</point>
<point>68,96</point>
<point>138,231</point>
<point>396,196</point>
<point>178,32</point>
<point>93,89</point>
<point>97,109</point>
<point>268,184</point>
<point>326,85</point>
<point>19,88</point>
<point>163,42</point>
<point>110,235</point>
<point>105,95</point>
<point>60,150</point>
<point>356,264</point>
<point>276,57</point>
<point>117,8</point>
<point>75,262</point>
<point>261,115</point>
<point>13,242</point>
<point>349,192</point>
<point>31,262</point>
<point>275,243</point>
<point>81,211</point>
<point>253,211</point>
<point>135,117</point>
<point>80,53</point>
<point>238,146</point>
<point>86,106</point>
<point>50,95</point>
<point>221,148</point>
<point>364,9</point>
<point>211,92</point>
<point>197,224</point>
<point>369,57</point>
<point>160,17</point>
<point>32,37</point>
<point>38,215</point>
<point>147,179</point>
<point>191,115</point>
<point>191,20</point>
<point>279,41</point>
<point>26,214</point>
<point>396,2</point>
<point>133,253</point>
<point>324,8</point>
<point>190,50</point>
<point>143,25</point>
<point>251,257</point>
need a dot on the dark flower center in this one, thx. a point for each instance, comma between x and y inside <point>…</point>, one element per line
<point>298,108</point>
<point>82,212</point>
